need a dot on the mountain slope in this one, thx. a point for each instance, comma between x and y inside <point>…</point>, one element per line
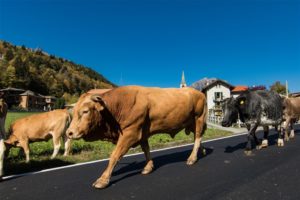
<point>46,74</point>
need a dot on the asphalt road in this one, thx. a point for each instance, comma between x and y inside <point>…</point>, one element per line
<point>224,173</point>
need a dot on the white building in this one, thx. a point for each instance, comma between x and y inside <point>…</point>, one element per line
<point>215,92</point>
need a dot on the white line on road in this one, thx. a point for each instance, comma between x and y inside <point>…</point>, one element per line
<point>102,160</point>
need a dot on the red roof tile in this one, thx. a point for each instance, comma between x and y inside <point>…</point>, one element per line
<point>240,88</point>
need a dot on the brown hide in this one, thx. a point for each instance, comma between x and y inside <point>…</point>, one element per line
<point>292,107</point>
<point>291,115</point>
<point>152,110</point>
<point>3,113</point>
<point>129,115</point>
<point>3,108</point>
<point>39,127</point>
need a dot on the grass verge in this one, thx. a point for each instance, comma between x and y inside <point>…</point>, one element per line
<point>82,151</point>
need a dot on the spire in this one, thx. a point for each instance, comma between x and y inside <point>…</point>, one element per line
<point>183,83</point>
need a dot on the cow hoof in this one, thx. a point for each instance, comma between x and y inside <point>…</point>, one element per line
<point>286,138</point>
<point>100,183</point>
<point>191,161</point>
<point>264,144</point>
<point>280,143</point>
<point>146,171</point>
<point>292,135</point>
<point>204,152</point>
<point>248,152</point>
<point>148,168</point>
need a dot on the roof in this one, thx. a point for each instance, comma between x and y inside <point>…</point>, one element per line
<point>12,89</point>
<point>240,88</point>
<point>216,82</point>
<point>30,93</point>
<point>27,93</point>
<point>98,91</point>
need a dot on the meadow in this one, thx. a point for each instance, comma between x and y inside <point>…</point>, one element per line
<point>83,151</point>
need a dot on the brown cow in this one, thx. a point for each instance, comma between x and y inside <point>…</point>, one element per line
<point>41,127</point>
<point>291,114</point>
<point>129,115</point>
<point>3,112</point>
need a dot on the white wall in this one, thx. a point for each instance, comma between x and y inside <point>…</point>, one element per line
<point>210,94</point>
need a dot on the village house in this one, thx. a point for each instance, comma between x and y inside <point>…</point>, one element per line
<point>216,92</point>
<point>27,100</point>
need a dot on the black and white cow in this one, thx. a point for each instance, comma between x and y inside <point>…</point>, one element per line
<point>255,108</point>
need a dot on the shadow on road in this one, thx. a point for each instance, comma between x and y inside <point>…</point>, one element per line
<point>159,161</point>
<point>32,166</point>
<point>272,141</point>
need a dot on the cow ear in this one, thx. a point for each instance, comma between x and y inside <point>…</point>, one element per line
<point>97,99</point>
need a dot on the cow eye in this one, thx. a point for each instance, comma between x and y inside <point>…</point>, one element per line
<point>85,111</point>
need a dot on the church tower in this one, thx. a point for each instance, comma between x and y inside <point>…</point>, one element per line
<point>183,83</point>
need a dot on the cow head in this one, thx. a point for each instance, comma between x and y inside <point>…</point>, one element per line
<point>231,109</point>
<point>86,115</point>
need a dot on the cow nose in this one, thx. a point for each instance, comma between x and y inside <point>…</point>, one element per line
<point>224,123</point>
<point>69,134</point>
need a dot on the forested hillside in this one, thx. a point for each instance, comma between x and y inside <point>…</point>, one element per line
<point>35,70</point>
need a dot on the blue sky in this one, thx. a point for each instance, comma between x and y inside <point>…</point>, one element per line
<point>150,43</point>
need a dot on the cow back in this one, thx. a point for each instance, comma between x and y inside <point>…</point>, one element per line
<point>261,106</point>
<point>40,126</point>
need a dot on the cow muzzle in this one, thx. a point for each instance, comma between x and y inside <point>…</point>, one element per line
<point>225,124</point>
<point>72,134</point>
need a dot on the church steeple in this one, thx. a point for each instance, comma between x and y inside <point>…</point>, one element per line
<point>183,83</point>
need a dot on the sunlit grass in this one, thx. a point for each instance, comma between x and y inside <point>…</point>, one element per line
<point>82,151</point>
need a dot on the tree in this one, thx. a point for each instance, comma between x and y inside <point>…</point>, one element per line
<point>59,103</point>
<point>278,87</point>
<point>10,76</point>
<point>9,55</point>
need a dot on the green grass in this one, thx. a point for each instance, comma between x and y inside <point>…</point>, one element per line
<point>82,151</point>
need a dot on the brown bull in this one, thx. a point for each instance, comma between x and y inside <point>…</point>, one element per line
<point>291,115</point>
<point>129,115</point>
<point>3,112</point>
<point>40,127</point>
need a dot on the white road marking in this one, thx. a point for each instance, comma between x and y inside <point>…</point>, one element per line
<point>106,159</point>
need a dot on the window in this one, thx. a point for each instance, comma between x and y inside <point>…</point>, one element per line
<point>218,95</point>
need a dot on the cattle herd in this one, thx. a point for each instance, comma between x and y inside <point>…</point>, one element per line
<point>127,116</point>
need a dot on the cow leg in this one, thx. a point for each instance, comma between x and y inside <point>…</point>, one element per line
<point>265,143</point>
<point>149,163</point>
<point>286,128</point>
<point>199,130</point>
<point>124,143</point>
<point>250,139</point>
<point>56,145</point>
<point>67,145</point>
<point>292,134</point>
<point>2,150</point>
<point>280,141</point>
<point>25,145</point>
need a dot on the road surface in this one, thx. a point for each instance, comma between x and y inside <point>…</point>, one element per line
<point>224,173</point>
